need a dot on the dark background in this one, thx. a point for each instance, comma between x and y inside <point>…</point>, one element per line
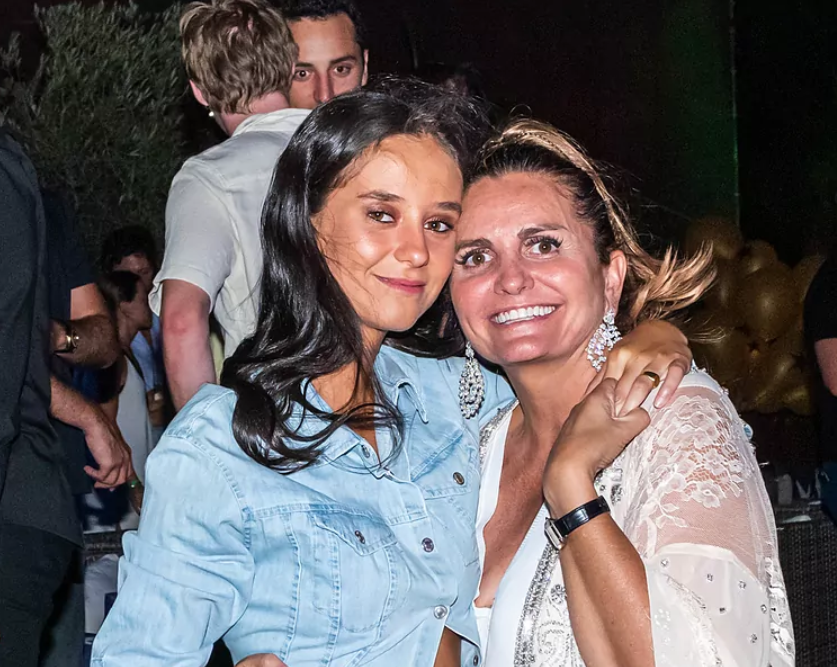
<point>651,87</point>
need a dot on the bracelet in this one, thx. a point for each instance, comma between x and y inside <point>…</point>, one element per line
<point>557,530</point>
<point>71,339</point>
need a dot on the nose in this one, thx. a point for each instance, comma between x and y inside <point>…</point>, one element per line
<point>324,89</point>
<point>512,278</point>
<point>412,246</point>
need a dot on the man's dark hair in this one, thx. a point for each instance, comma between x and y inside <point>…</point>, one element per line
<point>295,10</point>
<point>118,287</point>
<point>127,241</point>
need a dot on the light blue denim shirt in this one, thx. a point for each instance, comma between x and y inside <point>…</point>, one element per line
<point>348,562</point>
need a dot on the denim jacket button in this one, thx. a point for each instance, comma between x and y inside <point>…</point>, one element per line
<point>360,537</point>
<point>440,612</point>
<point>458,478</point>
<point>366,452</point>
<point>428,545</point>
<point>476,660</point>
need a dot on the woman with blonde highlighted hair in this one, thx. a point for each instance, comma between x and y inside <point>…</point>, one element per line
<point>659,545</point>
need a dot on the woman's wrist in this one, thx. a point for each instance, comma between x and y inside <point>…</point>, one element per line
<point>566,488</point>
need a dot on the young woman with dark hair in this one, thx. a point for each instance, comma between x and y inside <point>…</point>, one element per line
<point>322,506</point>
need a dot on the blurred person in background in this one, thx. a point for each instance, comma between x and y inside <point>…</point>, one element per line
<point>821,335</point>
<point>39,528</point>
<point>125,402</point>
<point>83,339</point>
<point>239,56</point>
<point>333,57</point>
<point>132,248</point>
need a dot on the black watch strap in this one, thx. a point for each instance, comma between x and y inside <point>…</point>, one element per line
<point>557,530</point>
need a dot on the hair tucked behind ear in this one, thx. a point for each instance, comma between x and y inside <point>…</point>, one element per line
<point>307,327</point>
<point>654,288</point>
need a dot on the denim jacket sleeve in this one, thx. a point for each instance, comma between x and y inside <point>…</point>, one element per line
<point>176,600</point>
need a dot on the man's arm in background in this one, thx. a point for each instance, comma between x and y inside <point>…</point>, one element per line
<point>98,346</point>
<point>103,437</point>
<point>187,355</point>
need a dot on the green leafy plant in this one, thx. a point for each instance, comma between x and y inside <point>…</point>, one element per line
<point>101,117</point>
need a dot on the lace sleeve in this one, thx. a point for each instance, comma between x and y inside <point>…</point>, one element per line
<point>698,514</point>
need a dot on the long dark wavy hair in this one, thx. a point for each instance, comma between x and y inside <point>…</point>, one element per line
<point>307,327</point>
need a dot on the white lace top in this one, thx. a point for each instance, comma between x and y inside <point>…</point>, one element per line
<point>688,494</point>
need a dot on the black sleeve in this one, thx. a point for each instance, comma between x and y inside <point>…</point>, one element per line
<point>66,242</point>
<point>18,282</point>
<point>821,304</point>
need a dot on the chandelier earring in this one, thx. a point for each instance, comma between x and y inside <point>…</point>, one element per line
<point>471,385</point>
<point>603,340</point>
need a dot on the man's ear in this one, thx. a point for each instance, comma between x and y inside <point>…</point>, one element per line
<point>365,67</point>
<point>198,94</point>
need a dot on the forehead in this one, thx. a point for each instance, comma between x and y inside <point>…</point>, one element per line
<point>406,162</point>
<point>509,203</point>
<point>137,258</point>
<point>324,39</point>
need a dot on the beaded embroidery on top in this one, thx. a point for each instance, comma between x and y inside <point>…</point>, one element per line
<point>487,431</point>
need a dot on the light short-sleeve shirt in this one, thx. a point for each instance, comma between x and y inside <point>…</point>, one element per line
<point>213,221</point>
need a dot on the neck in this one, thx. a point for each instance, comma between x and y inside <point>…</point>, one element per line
<point>337,389</point>
<point>125,333</point>
<point>229,122</point>
<point>547,392</point>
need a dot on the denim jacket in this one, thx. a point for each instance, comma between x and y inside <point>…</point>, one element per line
<point>348,562</point>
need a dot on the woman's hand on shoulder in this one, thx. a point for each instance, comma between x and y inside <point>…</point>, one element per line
<point>653,346</point>
<point>594,434</point>
<point>261,660</point>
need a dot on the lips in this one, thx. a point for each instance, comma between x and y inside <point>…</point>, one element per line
<point>403,285</point>
<point>522,314</point>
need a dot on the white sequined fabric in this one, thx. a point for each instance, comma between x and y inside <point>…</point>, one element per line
<point>689,496</point>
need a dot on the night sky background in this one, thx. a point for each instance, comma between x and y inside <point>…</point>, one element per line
<point>706,115</point>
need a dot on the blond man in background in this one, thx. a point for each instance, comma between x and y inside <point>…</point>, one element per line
<point>239,56</point>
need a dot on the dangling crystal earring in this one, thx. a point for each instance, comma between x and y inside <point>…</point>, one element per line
<point>471,385</point>
<point>603,340</point>
<point>210,112</point>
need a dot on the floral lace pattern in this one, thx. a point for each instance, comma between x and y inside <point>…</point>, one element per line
<point>690,481</point>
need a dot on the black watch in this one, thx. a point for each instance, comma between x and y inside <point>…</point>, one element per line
<point>557,530</point>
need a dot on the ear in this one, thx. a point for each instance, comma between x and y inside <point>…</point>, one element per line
<point>198,94</point>
<point>365,67</point>
<point>614,275</point>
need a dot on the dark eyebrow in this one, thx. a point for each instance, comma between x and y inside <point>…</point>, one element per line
<point>381,195</point>
<point>526,232</point>
<point>473,243</point>
<point>343,59</point>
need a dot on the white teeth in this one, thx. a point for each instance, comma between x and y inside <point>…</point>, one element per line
<point>518,314</point>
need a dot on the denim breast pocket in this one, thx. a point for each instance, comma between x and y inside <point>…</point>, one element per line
<point>449,480</point>
<point>358,574</point>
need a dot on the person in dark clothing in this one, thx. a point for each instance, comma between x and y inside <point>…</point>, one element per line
<point>821,334</point>
<point>82,335</point>
<point>39,529</point>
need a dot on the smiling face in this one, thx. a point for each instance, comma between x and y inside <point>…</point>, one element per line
<point>527,284</point>
<point>330,60</point>
<point>387,231</point>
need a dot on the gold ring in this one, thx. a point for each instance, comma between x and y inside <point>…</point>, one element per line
<point>654,377</point>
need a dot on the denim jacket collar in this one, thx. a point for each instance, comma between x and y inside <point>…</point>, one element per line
<point>397,372</point>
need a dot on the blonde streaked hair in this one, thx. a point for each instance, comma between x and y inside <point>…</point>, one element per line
<point>236,51</point>
<point>654,288</point>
